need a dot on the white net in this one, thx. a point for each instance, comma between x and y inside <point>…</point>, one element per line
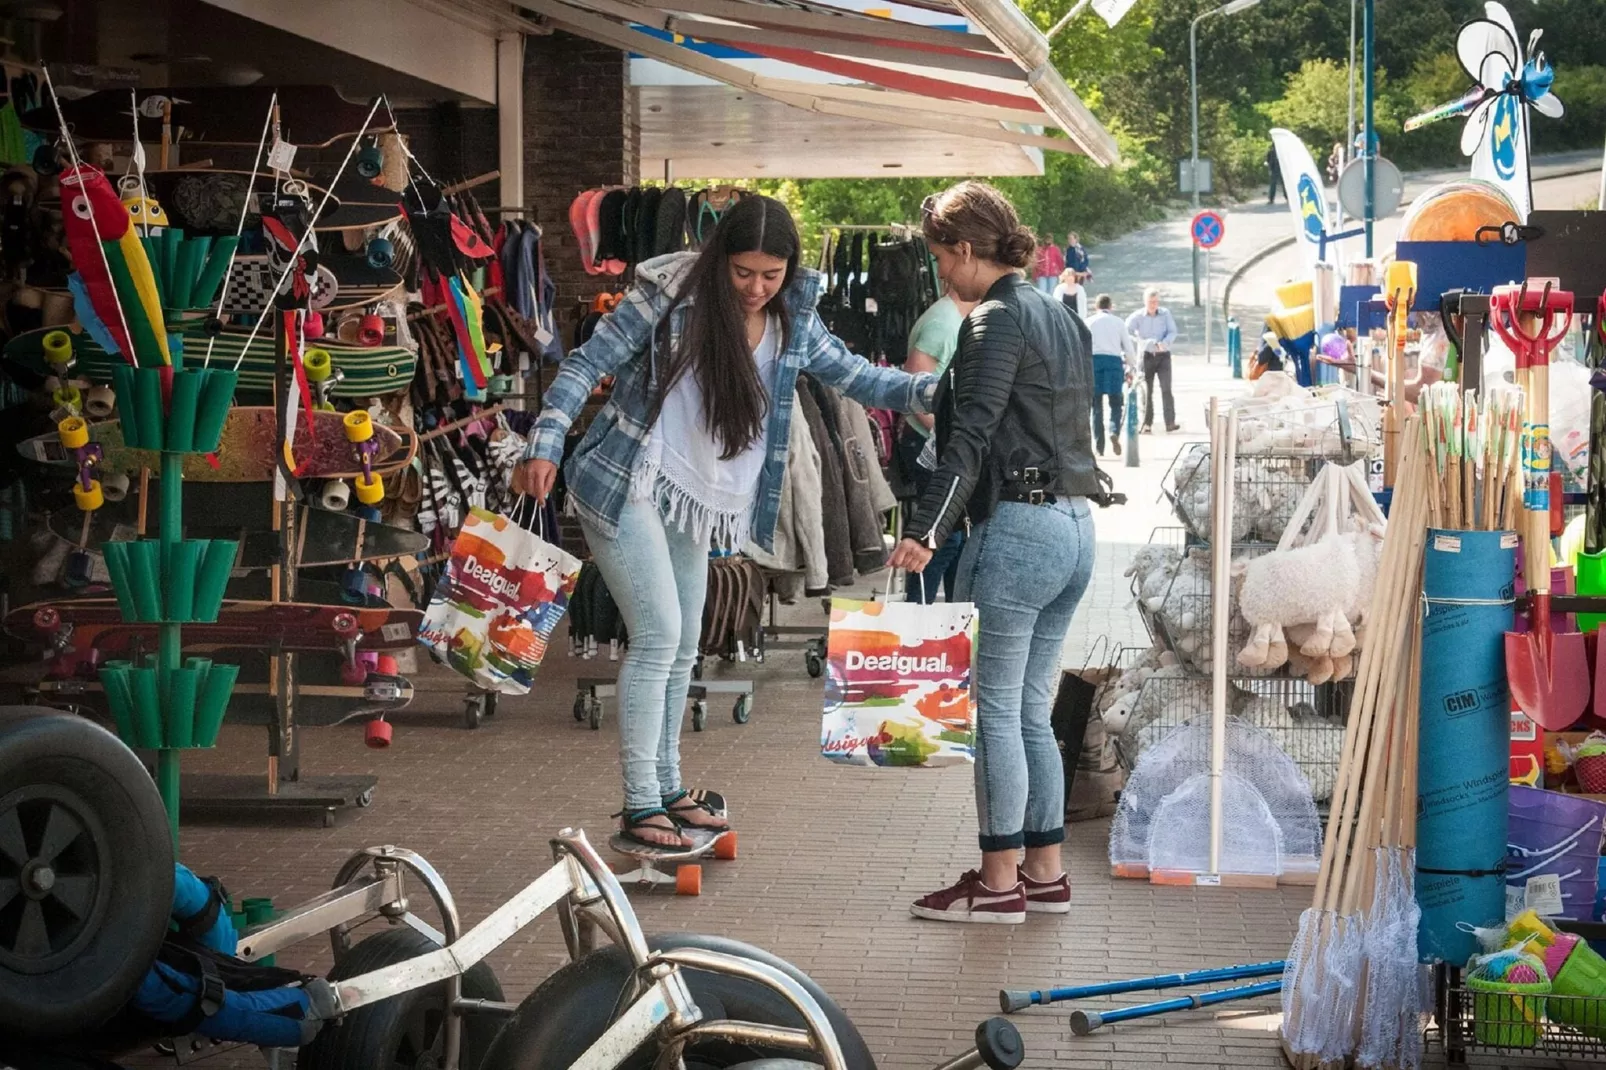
<point>1391,1031</point>
<point>1251,842</point>
<point>1253,758</point>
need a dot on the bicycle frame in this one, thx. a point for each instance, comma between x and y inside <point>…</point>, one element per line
<point>589,898</point>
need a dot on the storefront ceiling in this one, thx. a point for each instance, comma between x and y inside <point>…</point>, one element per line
<point>880,83</point>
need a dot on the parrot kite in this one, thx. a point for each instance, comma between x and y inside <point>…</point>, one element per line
<point>117,274</point>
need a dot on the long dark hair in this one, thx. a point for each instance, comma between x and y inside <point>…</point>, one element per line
<point>713,343</point>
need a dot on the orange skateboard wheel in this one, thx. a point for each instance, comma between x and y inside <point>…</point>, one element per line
<point>58,347</point>
<point>318,365</point>
<point>370,491</point>
<point>688,880</point>
<point>74,432</point>
<point>359,428</point>
<point>725,846</point>
<point>91,499</point>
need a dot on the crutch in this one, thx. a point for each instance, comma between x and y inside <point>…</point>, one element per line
<point>1012,1000</point>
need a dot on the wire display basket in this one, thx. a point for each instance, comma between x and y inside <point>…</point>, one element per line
<point>1485,1023</point>
<point>1266,488</point>
<point>1329,423</point>
<point>1305,720</point>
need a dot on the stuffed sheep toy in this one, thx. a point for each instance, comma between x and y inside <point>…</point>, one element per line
<point>1327,585</point>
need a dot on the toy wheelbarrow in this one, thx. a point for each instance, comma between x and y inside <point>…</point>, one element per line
<point>1548,671</point>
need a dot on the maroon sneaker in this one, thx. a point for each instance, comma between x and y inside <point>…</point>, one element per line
<point>1047,897</point>
<point>971,900</point>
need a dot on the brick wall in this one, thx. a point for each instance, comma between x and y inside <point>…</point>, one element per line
<point>580,130</point>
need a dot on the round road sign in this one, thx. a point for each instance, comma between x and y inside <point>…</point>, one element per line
<point>1208,228</point>
<point>1388,188</point>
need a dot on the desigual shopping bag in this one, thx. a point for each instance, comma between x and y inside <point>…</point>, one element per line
<point>504,591</point>
<point>898,684</point>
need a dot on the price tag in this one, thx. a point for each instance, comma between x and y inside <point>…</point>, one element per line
<point>1514,903</point>
<point>281,156</point>
<point>1374,475</point>
<point>870,305</point>
<point>543,336</point>
<point>395,633</point>
<point>1207,880</point>
<point>1543,895</point>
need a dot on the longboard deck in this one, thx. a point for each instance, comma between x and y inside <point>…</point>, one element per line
<point>367,371</point>
<point>702,844</point>
<point>247,451</point>
<point>282,626</point>
<point>322,537</point>
<point>316,705</point>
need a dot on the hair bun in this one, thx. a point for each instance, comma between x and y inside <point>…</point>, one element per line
<point>1017,248</point>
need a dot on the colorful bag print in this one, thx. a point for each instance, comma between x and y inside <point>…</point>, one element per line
<point>898,684</point>
<point>493,612</point>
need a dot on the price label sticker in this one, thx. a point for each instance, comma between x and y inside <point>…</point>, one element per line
<point>1514,901</point>
<point>1207,880</point>
<point>281,156</point>
<point>395,633</point>
<point>543,336</point>
<point>870,305</point>
<point>1543,895</point>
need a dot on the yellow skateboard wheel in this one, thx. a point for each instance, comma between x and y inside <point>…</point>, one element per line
<point>359,428</point>
<point>324,406</point>
<point>318,364</point>
<point>68,397</point>
<point>91,499</point>
<point>371,492</point>
<point>74,432</point>
<point>58,347</point>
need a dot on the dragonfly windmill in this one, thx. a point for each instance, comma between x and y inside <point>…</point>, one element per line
<point>1508,80</point>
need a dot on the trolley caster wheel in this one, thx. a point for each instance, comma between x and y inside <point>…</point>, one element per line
<point>488,707</point>
<point>697,668</point>
<point>814,664</point>
<point>725,847</point>
<point>329,819</point>
<point>595,712</point>
<point>743,710</point>
<point>699,715</point>
<point>580,707</point>
<point>473,712</point>
<point>689,880</point>
<point>365,799</point>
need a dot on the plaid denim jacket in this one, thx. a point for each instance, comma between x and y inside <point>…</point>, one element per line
<point>598,474</point>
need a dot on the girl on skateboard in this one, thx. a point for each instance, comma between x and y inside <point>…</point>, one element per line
<point>689,453</point>
<point>1015,464</point>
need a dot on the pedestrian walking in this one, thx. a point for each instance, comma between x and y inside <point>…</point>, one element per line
<point>1275,168</point>
<point>1050,262</point>
<point>1114,350</point>
<point>1335,162</point>
<point>1071,294</point>
<point>1156,330</point>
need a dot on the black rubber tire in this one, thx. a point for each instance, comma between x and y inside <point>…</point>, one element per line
<point>57,768</point>
<point>399,1032</point>
<point>572,1008</point>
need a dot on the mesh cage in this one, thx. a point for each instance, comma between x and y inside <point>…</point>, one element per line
<point>1252,757</point>
<point>1266,492</point>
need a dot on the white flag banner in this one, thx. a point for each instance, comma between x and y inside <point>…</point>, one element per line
<point>1113,11</point>
<point>1500,155</point>
<point>1307,197</point>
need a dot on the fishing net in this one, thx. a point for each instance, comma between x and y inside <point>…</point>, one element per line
<point>1251,841</point>
<point>1266,784</point>
<point>1391,1031</point>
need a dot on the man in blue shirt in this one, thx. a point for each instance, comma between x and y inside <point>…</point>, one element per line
<point>1076,258</point>
<point>1155,330</point>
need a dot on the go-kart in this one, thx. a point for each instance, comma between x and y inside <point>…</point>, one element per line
<point>85,850</point>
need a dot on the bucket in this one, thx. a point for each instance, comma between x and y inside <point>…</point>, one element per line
<point>1577,986</point>
<point>1505,1014</point>
<point>1551,835</point>
<point>1464,763</point>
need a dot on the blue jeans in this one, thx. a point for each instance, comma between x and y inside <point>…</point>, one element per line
<point>1046,283</point>
<point>1025,568</point>
<point>658,576</point>
<point>941,571</point>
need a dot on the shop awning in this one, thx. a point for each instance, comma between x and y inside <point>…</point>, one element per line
<point>901,88</point>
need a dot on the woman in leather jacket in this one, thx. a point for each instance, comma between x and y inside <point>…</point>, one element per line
<point>1015,465</point>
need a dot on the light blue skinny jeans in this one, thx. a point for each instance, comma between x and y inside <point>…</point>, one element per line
<point>658,576</point>
<point>1025,568</point>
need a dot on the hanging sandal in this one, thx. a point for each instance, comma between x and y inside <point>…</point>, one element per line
<point>687,801</point>
<point>638,819</point>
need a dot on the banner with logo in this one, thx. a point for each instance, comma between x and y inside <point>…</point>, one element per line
<point>493,612</point>
<point>1501,155</point>
<point>1307,197</point>
<point>898,689</point>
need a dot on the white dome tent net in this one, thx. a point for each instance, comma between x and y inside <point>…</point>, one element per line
<point>1251,841</point>
<point>1252,756</point>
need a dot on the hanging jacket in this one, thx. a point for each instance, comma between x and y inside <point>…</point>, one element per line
<point>833,498</point>
<point>624,345</point>
<point>799,554</point>
<point>865,524</point>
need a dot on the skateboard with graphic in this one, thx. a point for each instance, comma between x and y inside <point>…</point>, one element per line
<point>248,450</point>
<point>316,705</point>
<point>652,873</point>
<point>364,371</point>
<point>322,538</point>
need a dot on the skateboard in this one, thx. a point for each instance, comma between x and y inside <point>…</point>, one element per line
<point>688,876</point>
<point>365,371</point>
<point>344,283</point>
<point>316,705</point>
<point>323,538</point>
<point>80,635</point>
<point>318,116</point>
<point>203,200</point>
<point>248,450</point>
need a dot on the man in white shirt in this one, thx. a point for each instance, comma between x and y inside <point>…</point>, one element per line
<point>1114,349</point>
<point>1156,329</point>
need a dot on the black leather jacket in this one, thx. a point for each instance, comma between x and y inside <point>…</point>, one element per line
<point>1016,397</point>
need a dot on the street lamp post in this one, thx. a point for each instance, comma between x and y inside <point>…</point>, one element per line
<point>1232,7</point>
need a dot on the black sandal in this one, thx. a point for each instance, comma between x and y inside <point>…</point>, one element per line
<point>635,819</point>
<point>694,799</point>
